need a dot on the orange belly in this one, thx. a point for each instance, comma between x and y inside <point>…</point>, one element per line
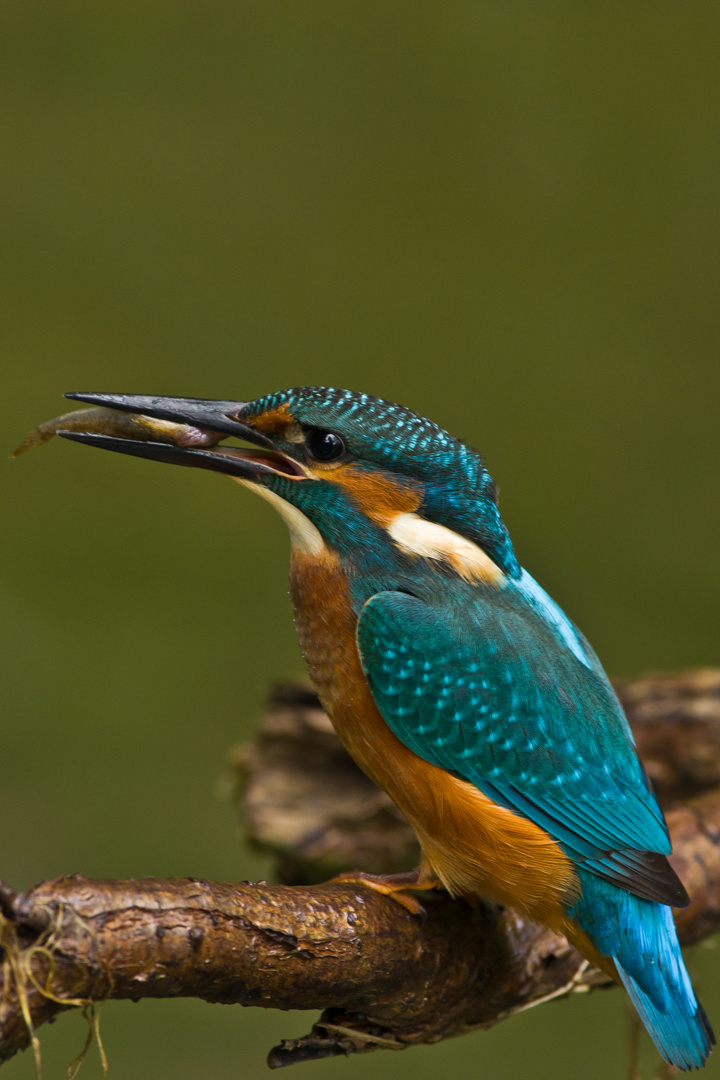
<point>468,842</point>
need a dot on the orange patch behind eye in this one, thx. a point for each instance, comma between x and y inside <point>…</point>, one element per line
<point>378,496</point>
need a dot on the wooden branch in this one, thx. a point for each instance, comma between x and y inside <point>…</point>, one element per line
<point>676,723</point>
<point>275,946</point>
<point>383,977</point>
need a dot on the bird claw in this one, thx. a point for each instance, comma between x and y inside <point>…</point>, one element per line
<point>392,886</point>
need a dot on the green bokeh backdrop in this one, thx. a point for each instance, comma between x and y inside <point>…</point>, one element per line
<point>503,215</point>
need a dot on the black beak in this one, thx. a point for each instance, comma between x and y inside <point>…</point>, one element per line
<point>207,416</point>
<point>211,415</point>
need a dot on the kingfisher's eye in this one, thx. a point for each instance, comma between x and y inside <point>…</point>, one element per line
<point>324,445</point>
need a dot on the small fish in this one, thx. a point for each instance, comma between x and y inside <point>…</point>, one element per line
<point>122,425</point>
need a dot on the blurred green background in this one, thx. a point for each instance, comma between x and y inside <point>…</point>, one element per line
<point>502,215</point>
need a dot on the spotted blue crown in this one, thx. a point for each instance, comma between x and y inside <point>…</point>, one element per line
<point>458,490</point>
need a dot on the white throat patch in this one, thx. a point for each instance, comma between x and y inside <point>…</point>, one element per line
<point>426,539</point>
<point>304,537</point>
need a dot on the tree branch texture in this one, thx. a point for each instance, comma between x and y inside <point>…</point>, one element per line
<point>384,978</point>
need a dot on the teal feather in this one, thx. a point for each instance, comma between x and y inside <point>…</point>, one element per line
<point>640,937</point>
<point>483,725</point>
<point>474,689</point>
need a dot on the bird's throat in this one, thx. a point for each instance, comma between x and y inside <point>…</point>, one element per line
<point>304,536</point>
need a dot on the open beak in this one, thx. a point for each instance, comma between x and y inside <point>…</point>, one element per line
<point>192,428</point>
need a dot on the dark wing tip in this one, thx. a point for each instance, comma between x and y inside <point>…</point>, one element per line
<point>647,874</point>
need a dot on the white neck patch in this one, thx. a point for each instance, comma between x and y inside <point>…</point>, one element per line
<point>426,539</point>
<point>304,536</point>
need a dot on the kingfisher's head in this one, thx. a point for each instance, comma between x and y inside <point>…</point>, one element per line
<point>348,472</point>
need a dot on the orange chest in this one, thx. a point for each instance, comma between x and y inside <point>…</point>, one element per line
<point>325,623</point>
<point>326,626</point>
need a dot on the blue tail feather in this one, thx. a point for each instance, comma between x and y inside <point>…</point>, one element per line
<point>640,937</point>
<point>684,1039</point>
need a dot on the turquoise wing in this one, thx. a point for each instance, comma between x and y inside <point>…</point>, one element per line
<point>486,691</point>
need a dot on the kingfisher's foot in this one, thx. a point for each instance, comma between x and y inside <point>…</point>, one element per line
<point>393,885</point>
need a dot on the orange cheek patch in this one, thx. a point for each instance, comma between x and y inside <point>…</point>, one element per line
<point>378,496</point>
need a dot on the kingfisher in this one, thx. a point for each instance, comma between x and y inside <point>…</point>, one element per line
<point>453,679</point>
